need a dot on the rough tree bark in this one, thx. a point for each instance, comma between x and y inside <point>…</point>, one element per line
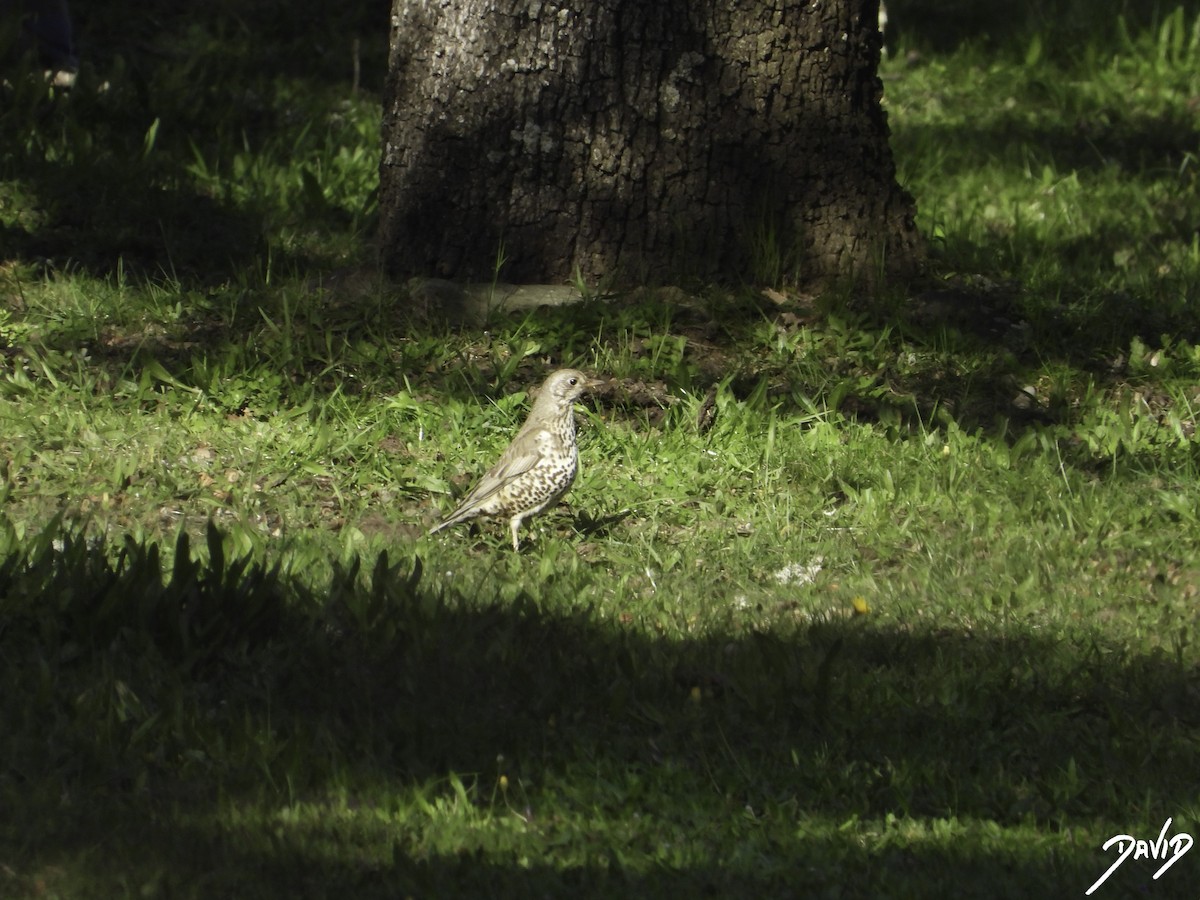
<point>630,140</point>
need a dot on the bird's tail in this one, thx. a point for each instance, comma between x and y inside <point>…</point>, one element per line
<point>453,519</point>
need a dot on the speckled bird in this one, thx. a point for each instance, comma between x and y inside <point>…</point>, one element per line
<point>539,465</point>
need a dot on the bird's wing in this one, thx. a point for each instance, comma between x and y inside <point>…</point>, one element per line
<point>526,450</point>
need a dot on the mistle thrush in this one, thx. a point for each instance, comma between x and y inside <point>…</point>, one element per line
<point>538,466</point>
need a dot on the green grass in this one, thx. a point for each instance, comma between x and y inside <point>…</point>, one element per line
<point>911,615</point>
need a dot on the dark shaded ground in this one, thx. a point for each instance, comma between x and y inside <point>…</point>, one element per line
<point>197,79</point>
<point>154,705</point>
<point>1063,25</point>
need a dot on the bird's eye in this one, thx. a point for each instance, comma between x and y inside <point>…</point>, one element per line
<point>574,381</point>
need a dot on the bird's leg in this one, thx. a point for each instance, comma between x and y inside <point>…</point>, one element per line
<point>514,525</point>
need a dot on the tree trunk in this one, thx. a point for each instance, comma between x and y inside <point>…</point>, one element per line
<point>626,141</point>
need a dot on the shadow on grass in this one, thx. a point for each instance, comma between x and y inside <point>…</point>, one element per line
<point>156,733</point>
<point>102,177</point>
<point>304,39</point>
<point>1063,25</point>
<point>106,219</point>
<point>1155,152</point>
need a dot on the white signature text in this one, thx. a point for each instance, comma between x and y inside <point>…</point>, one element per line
<point>1168,849</point>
